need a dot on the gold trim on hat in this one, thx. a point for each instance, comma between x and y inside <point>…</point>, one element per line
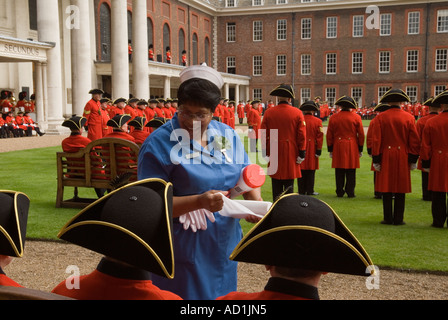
<point>18,251</point>
<point>365,258</point>
<point>67,227</point>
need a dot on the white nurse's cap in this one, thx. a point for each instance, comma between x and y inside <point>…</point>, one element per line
<point>202,72</point>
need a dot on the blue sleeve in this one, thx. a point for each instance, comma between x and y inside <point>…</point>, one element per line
<point>150,162</point>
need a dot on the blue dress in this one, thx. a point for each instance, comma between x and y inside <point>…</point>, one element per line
<point>203,270</point>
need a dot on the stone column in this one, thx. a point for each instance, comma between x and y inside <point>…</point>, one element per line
<point>48,31</point>
<point>140,70</point>
<point>237,94</point>
<point>167,87</point>
<point>81,57</point>
<point>119,50</point>
<point>39,102</point>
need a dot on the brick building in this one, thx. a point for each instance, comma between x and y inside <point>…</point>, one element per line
<point>334,48</point>
<point>60,49</point>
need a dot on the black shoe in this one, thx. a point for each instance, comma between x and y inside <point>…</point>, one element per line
<point>313,193</point>
<point>385,222</point>
<point>351,195</point>
<point>401,223</point>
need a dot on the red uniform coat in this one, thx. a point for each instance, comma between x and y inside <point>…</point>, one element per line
<point>168,113</point>
<point>219,112</point>
<point>394,139</point>
<point>114,111</point>
<point>232,117</point>
<point>240,111</point>
<point>226,115</point>
<point>369,141</point>
<point>100,286</point>
<point>72,144</point>
<point>277,289</point>
<point>8,282</point>
<point>20,122</point>
<point>290,127</point>
<point>160,112</point>
<point>435,149</point>
<point>420,126</point>
<point>314,141</point>
<point>150,114</point>
<point>345,139</point>
<point>130,111</point>
<point>254,121</point>
<point>92,111</point>
<point>139,136</point>
<point>120,135</point>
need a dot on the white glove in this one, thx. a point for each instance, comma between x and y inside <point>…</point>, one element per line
<point>413,166</point>
<point>197,219</point>
<point>426,169</point>
<point>299,160</point>
<point>317,155</point>
<point>377,167</point>
<point>360,154</point>
<point>331,154</point>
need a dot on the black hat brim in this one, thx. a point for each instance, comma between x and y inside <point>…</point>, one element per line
<point>394,95</point>
<point>125,237</point>
<point>309,106</point>
<point>284,91</point>
<point>347,103</point>
<point>75,123</point>
<point>302,246</point>
<point>442,98</point>
<point>381,107</point>
<point>13,224</point>
<point>156,122</point>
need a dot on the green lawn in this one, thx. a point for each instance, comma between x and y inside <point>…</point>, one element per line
<point>415,245</point>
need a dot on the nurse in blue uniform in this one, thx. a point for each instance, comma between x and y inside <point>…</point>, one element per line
<point>201,158</point>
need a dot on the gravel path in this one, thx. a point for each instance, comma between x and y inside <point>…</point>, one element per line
<point>45,262</point>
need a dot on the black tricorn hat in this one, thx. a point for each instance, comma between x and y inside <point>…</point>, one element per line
<point>395,95</point>
<point>153,100</point>
<point>103,100</point>
<point>255,101</point>
<point>156,122</point>
<point>96,91</point>
<point>283,90</point>
<point>137,122</point>
<point>428,102</point>
<point>14,208</point>
<point>142,103</point>
<point>305,233</point>
<point>132,224</point>
<point>381,107</point>
<point>75,123</point>
<point>133,100</point>
<point>120,100</point>
<point>309,106</point>
<point>442,98</point>
<point>119,120</point>
<point>346,102</point>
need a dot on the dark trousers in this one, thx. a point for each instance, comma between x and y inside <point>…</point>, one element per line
<point>438,209</point>
<point>393,207</point>
<point>281,186</point>
<point>345,182</point>
<point>306,182</point>
<point>253,144</point>
<point>425,192</point>
<point>377,194</point>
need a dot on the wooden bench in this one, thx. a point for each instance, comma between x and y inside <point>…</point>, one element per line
<point>95,166</point>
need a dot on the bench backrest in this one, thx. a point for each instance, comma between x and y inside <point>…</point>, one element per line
<point>100,161</point>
